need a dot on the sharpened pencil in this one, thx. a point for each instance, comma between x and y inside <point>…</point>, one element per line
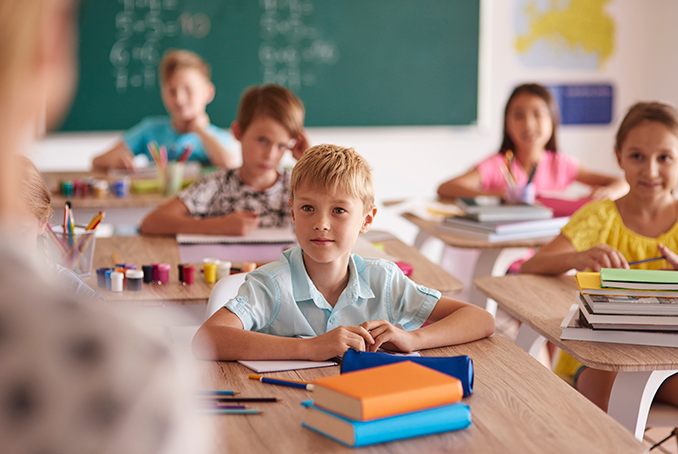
<point>243,399</point>
<point>231,411</point>
<point>217,393</point>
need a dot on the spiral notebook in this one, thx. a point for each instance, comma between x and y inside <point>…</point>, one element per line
<point>274,235</point>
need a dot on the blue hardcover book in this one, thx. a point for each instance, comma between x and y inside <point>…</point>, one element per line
<point>460,367</point>
<point>362,433</point>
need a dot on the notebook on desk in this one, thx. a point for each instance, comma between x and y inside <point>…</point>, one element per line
<point>273,235</point>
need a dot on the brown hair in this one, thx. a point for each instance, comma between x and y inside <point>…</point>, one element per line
<point>646,111</point>
<point>174,60</point>
<point>543,93</point>
<point>333,167</point>
<point>34,195</point>
<point>274,101</point>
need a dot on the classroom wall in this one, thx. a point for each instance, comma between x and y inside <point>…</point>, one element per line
<point>413,161</point>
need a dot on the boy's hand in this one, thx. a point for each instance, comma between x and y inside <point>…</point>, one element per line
<point>670,256</point>
<point>388,336</point>
<point>337,341</point>
<point>198,124</point>
<point>240,222</point>
<point>601,256</point>
<point>300,146</point>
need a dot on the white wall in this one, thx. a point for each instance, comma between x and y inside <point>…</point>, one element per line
<point>413,161</point>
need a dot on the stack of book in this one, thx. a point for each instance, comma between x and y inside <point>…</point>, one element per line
<point>386,403</point>
<point>496,222</point>
<point>625,307</point>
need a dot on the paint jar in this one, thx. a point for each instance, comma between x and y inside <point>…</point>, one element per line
<point>120,187</point>
<point>210,272</point>
<point>155,272</point>
<point>134,278</point>
<point>148,273</point>
<point>223,269</point>
<point>163,273</point>
<point>180,267</point>
<point>101,277</point>
<point>66,188</point>
<point>188,275</point>
<point>116,281</point>
<point>100,188</point>
<point>77,188</point>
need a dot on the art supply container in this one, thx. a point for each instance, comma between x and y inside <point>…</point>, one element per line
<point>155,274</point>
<point>163,273</point>
<point>521,194</point>
<point>161,176</point>
<point>148,273</point>
<point>210,272</point>
<point>100,188</point>
<point>66,188</point>
<point>180,267</point>
<point>134,278</point>
<point>188,274</point>
<point>71,250</point>
<point>108,278</point>
<point>116,281</point>
<point>101,277</point>
<point>223,269</point>
<point>175,178</point>
<point>120,188</point>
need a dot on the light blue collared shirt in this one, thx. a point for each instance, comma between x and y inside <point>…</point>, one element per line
<point>280,299</point>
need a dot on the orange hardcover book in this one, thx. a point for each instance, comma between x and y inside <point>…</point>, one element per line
<point>385,391</point>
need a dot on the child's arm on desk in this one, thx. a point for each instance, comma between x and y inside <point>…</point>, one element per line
<point>559,256</point>
<point>118,157</point>
<point>451,322</point>
<point>223,338</point>
<point>465,186</point>
<point>173,217</point>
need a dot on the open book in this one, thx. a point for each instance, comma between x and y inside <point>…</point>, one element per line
<point>273,235</point>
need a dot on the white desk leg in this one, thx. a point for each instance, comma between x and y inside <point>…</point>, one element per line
<point>631,397</point>
<point>493,262</point>
<point>529,340</point>
<point>421,239</point>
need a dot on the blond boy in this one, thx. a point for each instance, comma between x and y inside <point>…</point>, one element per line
<point>320,289</point>
<point>186,90</point>
<point>269,122</point>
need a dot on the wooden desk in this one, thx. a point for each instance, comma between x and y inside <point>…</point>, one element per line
<point>494,259</point>
<point>518,406</point>
<point>145,250</point>
<point>541,302</point>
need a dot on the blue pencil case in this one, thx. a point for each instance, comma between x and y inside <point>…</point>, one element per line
<point>460,367</point>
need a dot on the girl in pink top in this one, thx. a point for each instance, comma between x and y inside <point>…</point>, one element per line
<point>529,145</point>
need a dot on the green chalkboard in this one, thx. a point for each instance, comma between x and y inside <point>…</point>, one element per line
<point>352,62</point>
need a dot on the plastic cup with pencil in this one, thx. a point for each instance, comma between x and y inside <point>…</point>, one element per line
<point>72,246</point>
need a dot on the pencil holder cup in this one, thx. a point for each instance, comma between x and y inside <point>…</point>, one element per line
<point>175,178</point>
<point>71,250</point>
<point>521,194</point>
<point>161,176</point>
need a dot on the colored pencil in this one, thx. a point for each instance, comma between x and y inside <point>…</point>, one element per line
<point>259,377</point>
<point>56,239</point>
<point>188,150</point>
<point>647,260</point>
<point>231,411</point>
<point>95,220</point>
<point>534,170</point>
<point>217,393</point>
<point>227,407</point>
<point>243,399</point>
<point>273,381</point>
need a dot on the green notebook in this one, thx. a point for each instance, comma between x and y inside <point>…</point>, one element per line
<point>639,279</point>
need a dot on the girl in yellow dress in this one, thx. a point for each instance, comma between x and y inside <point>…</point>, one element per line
<point>640,225</point>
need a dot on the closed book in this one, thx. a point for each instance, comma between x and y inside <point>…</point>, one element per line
<point>362,433</point>
<point>589,284</point>
<point>497,237</point>
<point>635,322</point>
<point>575,327</point>
<point>512,213</point>
<point>272,235</point>
<point>630,305</point>
<point>639,279</point>
<point>386,391</point>
<point>506,227</point>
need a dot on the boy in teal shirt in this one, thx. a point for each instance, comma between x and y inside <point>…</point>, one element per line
<point>186,91</point>
<point>320,289</point>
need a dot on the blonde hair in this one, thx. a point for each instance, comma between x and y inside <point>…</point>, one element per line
<point>646,111</point>
<point>174,60</point>
<point>333,167</point>
<point>20,24</point>
<point>34,195</point>
<point>274,101</point>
